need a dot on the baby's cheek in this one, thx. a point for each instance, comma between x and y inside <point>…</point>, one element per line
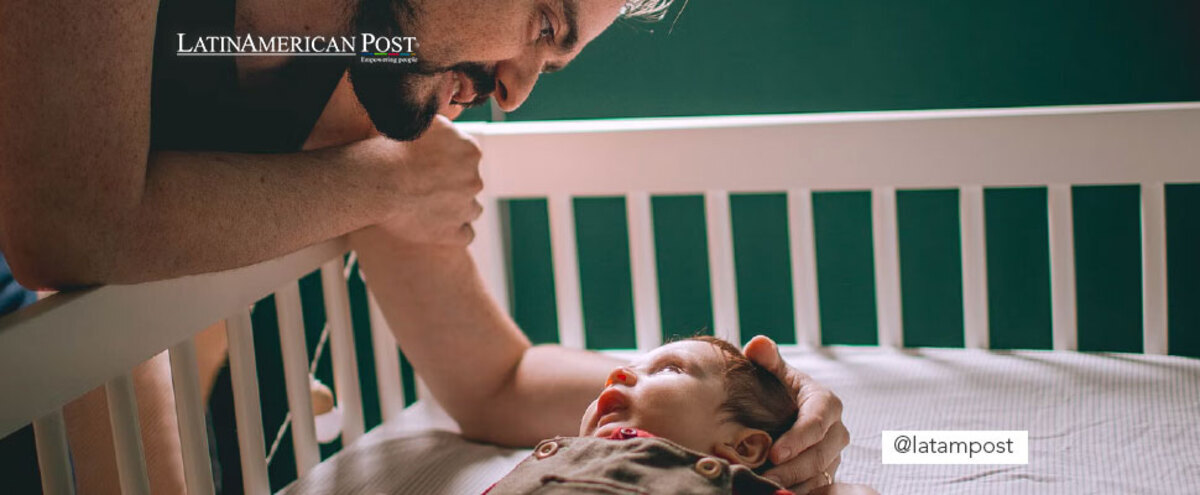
<point>685,395</point>
<point>587,414</point>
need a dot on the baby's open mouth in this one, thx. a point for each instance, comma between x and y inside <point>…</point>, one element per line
<point>610,406</point>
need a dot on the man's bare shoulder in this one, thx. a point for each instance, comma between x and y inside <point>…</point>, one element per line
<point>102,32</point>
<point>75,86</point>
<point>70,65</point>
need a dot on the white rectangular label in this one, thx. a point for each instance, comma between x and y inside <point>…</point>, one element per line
<point>956,447</point>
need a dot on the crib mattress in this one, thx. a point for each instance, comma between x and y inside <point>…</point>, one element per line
<point>1097,423</point>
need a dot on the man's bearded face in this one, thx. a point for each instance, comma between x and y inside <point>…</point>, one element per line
<point>468,50</point>
<point>400,98</point>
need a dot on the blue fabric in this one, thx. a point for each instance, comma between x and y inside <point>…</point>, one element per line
<point>12,295</point>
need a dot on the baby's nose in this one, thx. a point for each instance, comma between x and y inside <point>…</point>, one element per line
<point>621,375</point>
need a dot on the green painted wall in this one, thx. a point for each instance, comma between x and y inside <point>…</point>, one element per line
<point>532,300</point>
<point>762,264</point>
<point>1108,267</point>
<point>606,286</point>
<point>1183,269</point>
<point>1018,268</point>
<point>845,267</point>
<point>681,256</point>
<point>931,299</point>
<point>782,56</point>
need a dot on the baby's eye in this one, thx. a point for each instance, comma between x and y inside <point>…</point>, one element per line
<point>671,368</point>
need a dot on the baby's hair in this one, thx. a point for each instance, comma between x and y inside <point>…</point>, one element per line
<point>755,398</point>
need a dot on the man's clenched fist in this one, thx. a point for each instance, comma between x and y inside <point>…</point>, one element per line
<point>437,177</point>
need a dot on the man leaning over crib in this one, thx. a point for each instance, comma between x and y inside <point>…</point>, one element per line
<point>123,160</point>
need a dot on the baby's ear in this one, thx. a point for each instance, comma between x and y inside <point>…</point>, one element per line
<point>748,447</point>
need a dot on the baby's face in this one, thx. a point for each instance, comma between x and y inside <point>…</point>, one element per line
<point>674,392</point>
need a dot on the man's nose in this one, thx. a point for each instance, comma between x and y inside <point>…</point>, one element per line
<point>514,83</point>
<point>621,376</point>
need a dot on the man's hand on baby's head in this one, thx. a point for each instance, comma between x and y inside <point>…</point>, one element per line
<point>807,456</point>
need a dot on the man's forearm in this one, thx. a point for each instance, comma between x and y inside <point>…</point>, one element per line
<point>202,212</point>
<point>474,359</point>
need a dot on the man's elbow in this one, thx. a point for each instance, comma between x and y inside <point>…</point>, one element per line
<point>475,430</point>
<point>43,261</point>
<point>495,428</point>
<point>476,415</point>
<point>42,273</point>
<point>496,418</point>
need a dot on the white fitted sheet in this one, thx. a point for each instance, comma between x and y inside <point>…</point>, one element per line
<point>1098,423</point>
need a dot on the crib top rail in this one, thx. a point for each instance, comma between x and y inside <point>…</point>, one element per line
<point>1036,146</point>
<point>69,343</point>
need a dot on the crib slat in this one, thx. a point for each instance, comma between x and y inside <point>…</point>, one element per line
<point>54,457</point>
<point>887,266</point>
<point>721,269</point>
<point>488,250</point>
<point>804,267</point>
<point>127,435</point>
<point>974,267</point>
<point>243,373</point>
<point>189,409</point>
<point>387,363</point>
<point>645,273</point>
<point>341,349</point>
<point>566,271</point>
<point>293,347</point>
<point>1154,269</point>
<point>1062,268</point>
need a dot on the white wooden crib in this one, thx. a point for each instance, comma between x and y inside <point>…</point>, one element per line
<point>65,345</point>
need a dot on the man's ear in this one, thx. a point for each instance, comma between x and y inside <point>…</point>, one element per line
<point>748,447</point>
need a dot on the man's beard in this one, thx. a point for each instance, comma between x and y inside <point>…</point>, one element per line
<point>388,91</point>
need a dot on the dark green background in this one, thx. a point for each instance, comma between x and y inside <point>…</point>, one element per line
<point>783,56</point>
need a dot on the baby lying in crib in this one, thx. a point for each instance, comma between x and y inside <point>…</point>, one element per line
<point>693,416</point>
